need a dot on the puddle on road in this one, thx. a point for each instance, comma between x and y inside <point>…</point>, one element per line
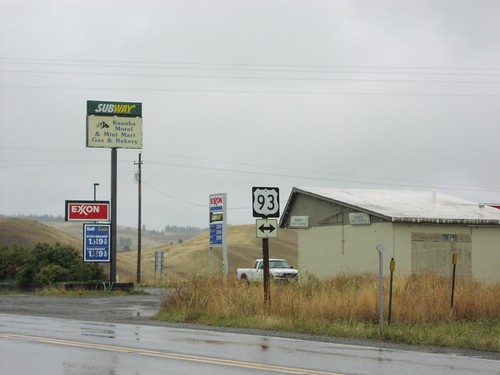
<point>98,330</point>
<point>138,310</point>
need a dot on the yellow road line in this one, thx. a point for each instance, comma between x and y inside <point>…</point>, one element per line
<point>166,355</point>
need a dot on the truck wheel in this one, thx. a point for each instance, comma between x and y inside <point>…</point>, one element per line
<point>244,277</point>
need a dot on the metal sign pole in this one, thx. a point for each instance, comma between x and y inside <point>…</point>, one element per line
<point>392,269</point>
<point>224,238</point>
<point>380,249</point>
<point>265,257</point>
<point>454,261</point>
<point>112,271</point>
<point>139,220</point>
<point>211,259</point>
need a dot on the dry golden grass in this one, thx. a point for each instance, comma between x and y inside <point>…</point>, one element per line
<point>189,258</point>
<point>347,306</point>
<point>27,233</point>
<point>416,299</point>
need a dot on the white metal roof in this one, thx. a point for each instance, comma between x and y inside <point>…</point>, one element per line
<point>410,205</point>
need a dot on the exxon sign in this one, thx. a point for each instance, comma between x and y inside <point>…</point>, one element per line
<point>87,211</point>
<point>217,202</point>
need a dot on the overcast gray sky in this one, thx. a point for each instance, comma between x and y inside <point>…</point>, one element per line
<point>344,94</point>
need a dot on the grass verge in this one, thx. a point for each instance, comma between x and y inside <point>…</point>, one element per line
<point>347,306</point>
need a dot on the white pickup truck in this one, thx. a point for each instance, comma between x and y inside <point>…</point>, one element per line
<point>279,269</point>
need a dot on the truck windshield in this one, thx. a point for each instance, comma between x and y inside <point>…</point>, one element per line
<point>278,264</point>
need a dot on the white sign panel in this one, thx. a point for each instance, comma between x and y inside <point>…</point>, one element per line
<point>266,202</point>
<point>359,218</point>
<point>298,222</point>
<point>114,132</point>
<point>266,228</point>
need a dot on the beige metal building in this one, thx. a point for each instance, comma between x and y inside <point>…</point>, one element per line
<point>340,229</point>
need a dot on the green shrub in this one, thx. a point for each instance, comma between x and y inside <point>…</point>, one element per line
<point>52,273</point>
<point>47,264</point>
<point>11,258</point>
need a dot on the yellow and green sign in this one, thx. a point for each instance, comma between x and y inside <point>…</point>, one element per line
<point>114,124</point>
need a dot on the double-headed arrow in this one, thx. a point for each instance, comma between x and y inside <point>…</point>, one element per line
<point>266,228</point>
<point>269,228</point>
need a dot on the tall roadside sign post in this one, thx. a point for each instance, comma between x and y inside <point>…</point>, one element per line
<point>218,233</point>
<point>114,125</point>
<point>265,205</point>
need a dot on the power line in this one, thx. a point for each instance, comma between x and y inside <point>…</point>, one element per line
<point>326,179</point>
<point>271,167</point>
<point>363,80</point>
<point>249,92</point>
<point>173,197</point>
<point>188,202</point>
<point>295,173</point>
<point>163,64</point>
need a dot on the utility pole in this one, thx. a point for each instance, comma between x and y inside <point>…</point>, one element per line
<point>139,224</point>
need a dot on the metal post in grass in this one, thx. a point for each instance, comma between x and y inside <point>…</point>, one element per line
<point>392,268</point>
<point>265,256</point>
<point>380,249</point>
<point>114,221</point>
<point>454,261</point>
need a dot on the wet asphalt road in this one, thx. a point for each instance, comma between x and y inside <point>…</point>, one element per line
<point>134,309</point>
<point>115,335</point>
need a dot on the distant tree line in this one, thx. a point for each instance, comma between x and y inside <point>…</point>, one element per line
<point>46,264</point>
<point>183,229</point>
<point>37,217</point>
<point>167,229</point>
<point>173,229</point>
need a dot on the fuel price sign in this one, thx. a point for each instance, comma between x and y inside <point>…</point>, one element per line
<point>96,240</point>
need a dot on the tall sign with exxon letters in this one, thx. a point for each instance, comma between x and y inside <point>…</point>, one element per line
<point>217,221</point>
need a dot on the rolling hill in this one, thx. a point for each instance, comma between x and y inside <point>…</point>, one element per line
<point>191,257</point>
<point>27,233</point>
<point>182,259</point>
<point>125,235</point>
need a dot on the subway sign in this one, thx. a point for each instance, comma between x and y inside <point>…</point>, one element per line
<point>114,125</point>
<point>122,109</point>
<point>87,211</point>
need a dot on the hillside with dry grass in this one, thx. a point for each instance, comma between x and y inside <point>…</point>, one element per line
<point>124,235</point>
<point>192,256</point>
<point>27,233</point>
<point>182,259</point>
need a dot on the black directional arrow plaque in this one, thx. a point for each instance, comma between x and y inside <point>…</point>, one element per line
<point>267,228</point>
